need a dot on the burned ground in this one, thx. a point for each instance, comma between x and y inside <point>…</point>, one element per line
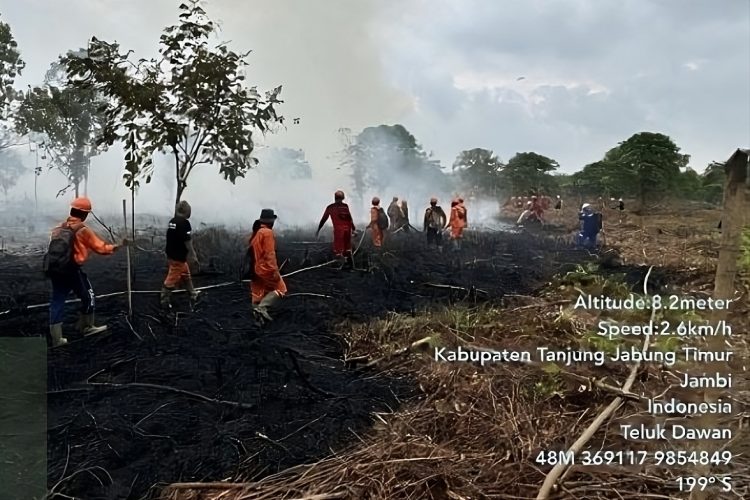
<point>210,394</point>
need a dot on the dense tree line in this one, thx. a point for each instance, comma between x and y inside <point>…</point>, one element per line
<point>192,103</point>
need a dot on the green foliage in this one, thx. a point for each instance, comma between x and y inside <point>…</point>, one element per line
<point>529,172</point>
<point>478,170</point>
<point>745,250</point>
<point>712,181</point>
<point>69,119</point>
<point>191,102</point>
<point>11,65</point>
<point>689,185</point>
<point>387,156</point>
<point>654,160</point>
<point>608,177</point>
<point>550,384</point>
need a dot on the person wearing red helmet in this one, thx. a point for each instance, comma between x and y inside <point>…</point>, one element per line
<point>70,244</point>
<point>343,227</point>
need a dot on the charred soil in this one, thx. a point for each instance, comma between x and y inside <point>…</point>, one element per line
<point>209,394</point>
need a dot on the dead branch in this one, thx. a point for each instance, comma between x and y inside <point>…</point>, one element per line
<point>305,294</point>
<point>159,387</point>
<point>309,268</point>
<point>451,287</point>
<point>557,470</point>
<point>400,352</point>
<point>133,329</point>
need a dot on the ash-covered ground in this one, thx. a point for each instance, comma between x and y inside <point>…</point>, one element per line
<point>209,394</point>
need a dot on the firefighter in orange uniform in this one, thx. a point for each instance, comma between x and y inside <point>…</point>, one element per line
<point>343,227</point>
<point>70,243</point>
<point>267,286</point>
<point>457,223</point>
<point>376,222</point>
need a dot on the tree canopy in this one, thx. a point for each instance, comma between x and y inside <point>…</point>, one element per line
<point>284,163</point>
<point>655,162</point>
<point>388,156</point>
<point>479,171</point>
<point>529,172</point>
<point>70,120</point>
<point>191,102</point>
<point>11,168</point>
<point>11,65</point>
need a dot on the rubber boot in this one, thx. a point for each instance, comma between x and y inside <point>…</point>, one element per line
<point>88,326</point>
<point>268,301</point>
<point>195,295</point>
<point>165,298</point>
<point>55,331</point>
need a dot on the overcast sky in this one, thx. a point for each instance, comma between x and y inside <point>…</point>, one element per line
<point>565,78</point>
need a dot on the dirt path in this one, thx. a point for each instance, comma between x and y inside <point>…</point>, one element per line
<point>216,394</point>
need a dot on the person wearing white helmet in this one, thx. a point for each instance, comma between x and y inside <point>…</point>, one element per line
<point>591,224</point>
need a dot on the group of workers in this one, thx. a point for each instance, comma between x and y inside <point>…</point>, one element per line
<point>533,207</point>
<point>72,241</point>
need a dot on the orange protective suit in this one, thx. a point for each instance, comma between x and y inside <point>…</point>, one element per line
<point>86,240</point>
<point>268,279</point>
<point>178,272</point>
<point>457,221</point>
<point>377,233</point>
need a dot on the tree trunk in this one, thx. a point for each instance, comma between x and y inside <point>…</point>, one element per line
<point>76,186</point>
<point>180,189</point>
<point>733,221</point>
<point>181,185</point>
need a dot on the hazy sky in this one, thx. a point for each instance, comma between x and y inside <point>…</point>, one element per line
<point>565,78</point>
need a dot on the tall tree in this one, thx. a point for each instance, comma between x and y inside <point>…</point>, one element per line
<point>11,65</point>
<point>70,120</point>
<point>713,180</point>
<point>529,172</point>
<point>191,102</point>
<point>389,156</point>
<point>605,178</point>
<point>656,162</point>
<point>11,168</point>
<point>479,170</point>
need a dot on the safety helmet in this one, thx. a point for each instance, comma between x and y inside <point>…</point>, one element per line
<point>81,203</point>
<point>585,206</point>
<point>338,195</point>
<point>375,200</point>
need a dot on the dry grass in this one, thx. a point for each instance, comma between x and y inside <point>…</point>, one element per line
<point>475,432</point>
